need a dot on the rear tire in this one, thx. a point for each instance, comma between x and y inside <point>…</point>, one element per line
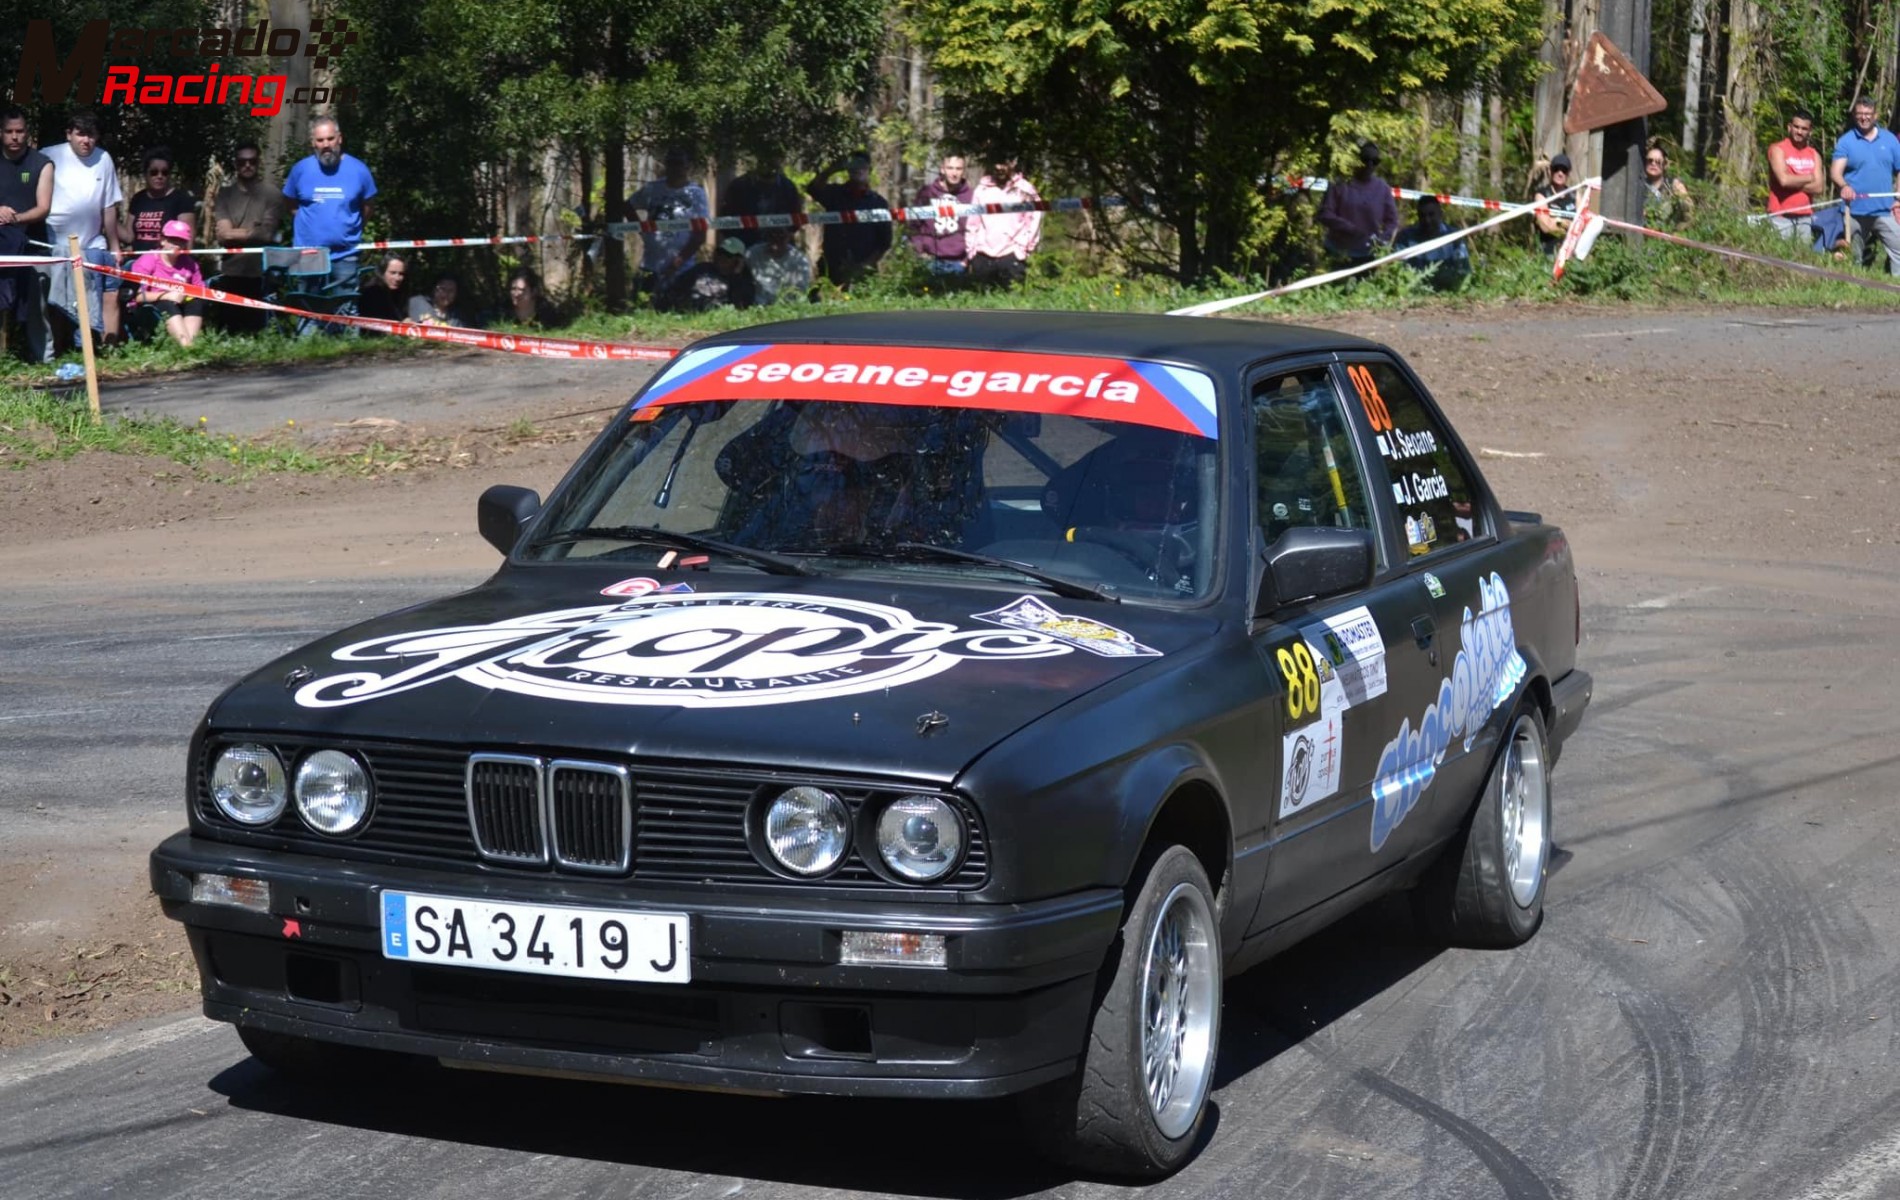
<point>1487,891</point>
<point>1137,1106</point>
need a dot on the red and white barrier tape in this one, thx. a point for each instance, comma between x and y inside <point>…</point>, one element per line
<point>390,244</point>
<point>513,343</point>
<point>865,216</point>
<point>1214,306</point>
<point>1747,256</point>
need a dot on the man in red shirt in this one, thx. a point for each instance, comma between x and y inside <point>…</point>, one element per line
<point>1796,179</point>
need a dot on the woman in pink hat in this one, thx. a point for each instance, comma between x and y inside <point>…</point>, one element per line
<point>173,264</point>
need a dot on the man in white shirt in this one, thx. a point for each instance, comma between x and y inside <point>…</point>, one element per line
<point>86,200</point>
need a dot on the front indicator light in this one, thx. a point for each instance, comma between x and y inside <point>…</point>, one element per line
<point>869,948</point>
<point>332,792</point>
<point>229,891</point>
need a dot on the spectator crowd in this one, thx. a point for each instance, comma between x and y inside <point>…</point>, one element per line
<point>1841,203</point>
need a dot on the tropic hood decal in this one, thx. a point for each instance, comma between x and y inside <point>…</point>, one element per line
<point>722,650</point>
<point>1484,675</point>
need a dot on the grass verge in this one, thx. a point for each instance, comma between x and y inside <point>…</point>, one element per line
<point>40,426</point>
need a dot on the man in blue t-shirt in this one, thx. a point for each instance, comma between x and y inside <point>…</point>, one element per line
<point>329,194</point>
<point>1866,169</point>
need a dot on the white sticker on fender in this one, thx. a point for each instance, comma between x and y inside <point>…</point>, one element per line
<point>1309,764</point>
<point>1352,643</point>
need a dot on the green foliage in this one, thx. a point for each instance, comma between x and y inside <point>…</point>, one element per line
<point>445,86</point>
<point>1187,104</point>
<point>197,134</point>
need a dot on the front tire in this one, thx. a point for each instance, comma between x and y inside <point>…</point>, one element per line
<point>1137,1106</point>
<point>1487,892</point>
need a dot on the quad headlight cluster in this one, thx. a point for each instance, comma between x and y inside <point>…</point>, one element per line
<point>808,832</point>
<point>331,788</point>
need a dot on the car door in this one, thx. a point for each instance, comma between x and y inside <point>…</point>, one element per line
<point>1345,668</point>
<point>1446,553</point>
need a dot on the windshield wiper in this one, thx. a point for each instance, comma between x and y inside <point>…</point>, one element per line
<point>777,564</point>
<point>925,552</point>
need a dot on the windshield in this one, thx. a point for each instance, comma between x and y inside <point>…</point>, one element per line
<point>869,473</point>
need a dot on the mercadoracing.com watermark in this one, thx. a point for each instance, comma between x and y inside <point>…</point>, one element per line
<point>86,67</point>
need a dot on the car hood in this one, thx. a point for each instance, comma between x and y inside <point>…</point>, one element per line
<point>871,674</point>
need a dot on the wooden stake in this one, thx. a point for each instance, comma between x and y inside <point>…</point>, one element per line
<point>85,326</point>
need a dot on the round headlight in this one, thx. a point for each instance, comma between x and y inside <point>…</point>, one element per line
<point>332,791</point>
<point>247,783</point>
<point>807,829</point>
<point>920,837</point>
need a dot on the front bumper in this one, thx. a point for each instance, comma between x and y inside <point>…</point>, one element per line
<point>769,1009</point>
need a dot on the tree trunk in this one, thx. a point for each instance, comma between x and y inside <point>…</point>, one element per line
<point>613,157</point>
<point>1497,146</point>
<point>1736,166</point>
<point>614,164</point>
<point>1692,80</point>
<point>1470,119</point>
<point>1886,82</point>
<point>1547,120</point>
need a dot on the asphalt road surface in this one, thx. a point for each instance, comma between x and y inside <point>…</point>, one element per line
<point>1707,1012</point>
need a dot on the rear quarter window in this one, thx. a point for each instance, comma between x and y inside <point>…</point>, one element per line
<point>1434,499</point>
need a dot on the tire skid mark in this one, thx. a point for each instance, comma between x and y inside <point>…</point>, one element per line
<point>1513,1174</point>
<point>1664,1161</point>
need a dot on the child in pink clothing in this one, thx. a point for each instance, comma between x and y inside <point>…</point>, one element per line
<point>172,262</point>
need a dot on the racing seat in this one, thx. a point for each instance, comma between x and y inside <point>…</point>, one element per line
<point>1125,505</point>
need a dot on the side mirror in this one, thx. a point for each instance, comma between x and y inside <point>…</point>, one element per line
<point>1313,563</point>
<point>503,512</point>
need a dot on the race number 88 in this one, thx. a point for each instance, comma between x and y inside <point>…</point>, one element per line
<point>1302,680</point>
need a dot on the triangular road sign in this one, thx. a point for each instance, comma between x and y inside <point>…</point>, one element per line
<point>1609,89</point>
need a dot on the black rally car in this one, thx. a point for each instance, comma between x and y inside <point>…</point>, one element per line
<point>926,704</point>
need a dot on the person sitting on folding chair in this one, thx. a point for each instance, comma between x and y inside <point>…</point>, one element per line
<point>171,268</point>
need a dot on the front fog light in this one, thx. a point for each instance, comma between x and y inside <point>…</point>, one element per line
<point>247,784</point>
<point>807,829</point>
<point>920,837</point>
<point>332,791</point>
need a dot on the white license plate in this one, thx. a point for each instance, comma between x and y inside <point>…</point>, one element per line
<point>534,939</point>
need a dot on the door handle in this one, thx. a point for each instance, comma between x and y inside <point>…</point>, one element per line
<point>1424,633</point>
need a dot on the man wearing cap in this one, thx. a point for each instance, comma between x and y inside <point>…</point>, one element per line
<point>1553,215</point>
<point>1359,211</point>
<point>1866,168</point>
<point>851,250</point>
<point>726,280</point>
<point>167,270</point>
<point>779,267</point>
